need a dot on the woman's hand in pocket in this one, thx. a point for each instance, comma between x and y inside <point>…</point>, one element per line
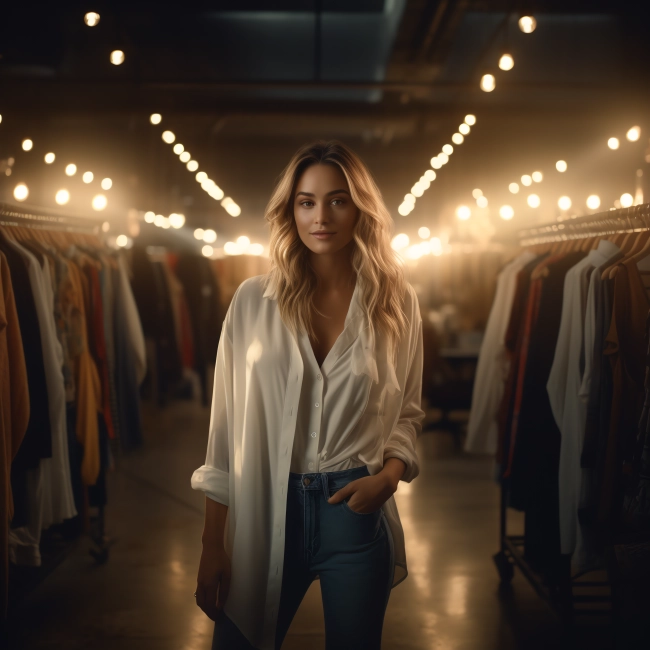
<point>366,494</point>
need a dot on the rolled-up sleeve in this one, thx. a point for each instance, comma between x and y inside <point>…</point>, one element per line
<point>213,477</point>
<point>402,440</point>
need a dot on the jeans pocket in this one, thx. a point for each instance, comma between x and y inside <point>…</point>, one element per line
<point>358,514</point>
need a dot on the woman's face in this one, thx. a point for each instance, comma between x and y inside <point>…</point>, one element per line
<point>323,209</point>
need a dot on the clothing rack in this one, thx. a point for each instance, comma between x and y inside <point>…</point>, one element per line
<point>561,596</point>
<point>55,548</point>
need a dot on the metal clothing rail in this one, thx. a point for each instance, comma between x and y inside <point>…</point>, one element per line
<point>635,218</point>
<point>13,214</point>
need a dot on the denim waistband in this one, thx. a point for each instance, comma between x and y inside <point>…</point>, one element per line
<point>324,480</point>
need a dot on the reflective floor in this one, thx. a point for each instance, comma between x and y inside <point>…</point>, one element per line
<point>142,599</point>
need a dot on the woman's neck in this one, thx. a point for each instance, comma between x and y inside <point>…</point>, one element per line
<point>334,271</point>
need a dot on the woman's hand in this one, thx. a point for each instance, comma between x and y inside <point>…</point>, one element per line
<point>214,575</point>
<point>368,493</point>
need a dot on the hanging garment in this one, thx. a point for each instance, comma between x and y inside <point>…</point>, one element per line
<point>492,367</point>
<point>14,412</point>
<point>569,409</point>
<point>257,397</point>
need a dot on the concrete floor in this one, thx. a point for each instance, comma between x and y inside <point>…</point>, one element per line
<point>142,599</point>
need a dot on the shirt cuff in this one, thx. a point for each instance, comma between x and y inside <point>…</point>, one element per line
<point>214,482</point>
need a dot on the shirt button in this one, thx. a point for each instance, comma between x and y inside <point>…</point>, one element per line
<point>318,377</point>
<point>317,405</point>
<point>313,434</point>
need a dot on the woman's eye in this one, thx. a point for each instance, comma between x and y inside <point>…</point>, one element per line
<point>305,203</point>
<point>337,201</point>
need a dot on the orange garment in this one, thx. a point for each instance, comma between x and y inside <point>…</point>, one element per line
<point>87,383</point>
<point>14,413</point>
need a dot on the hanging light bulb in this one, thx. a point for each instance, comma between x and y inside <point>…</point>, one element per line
<point>62,197</point>
<point>561,166</point>
<point>27,145</point>
<point>107,183</point>
<point>430,175</point>
<point>482,202</point>
<point>626,200</point>
<point>457,138</point>
<point>533,201</point>
<point>488,83</point>
<point>99,202</point>
<point>207,251</point>
<point>435,162</point>
<point>464,128</point>
<point>155,118</point>
<point>527,24</point>
<point>178,148</point>
<point>49,158</point>
<point>564,203</point>
<point>198,233</point>
<point>117,57</point>
<point>633,134</point>
<point>514,188</point>
<point>506,62</point>
<point>448,149</point>
<point>87,177</point>
<point>168,136</point>
<point>209,236</point>
<point>463,212</point>
<point>185,157</point>
<point>91,18</point>
<point>424,232</point>
<point>593,202</point>
<point>71,169</point>
<point>21,192</point>
<point>149,217</point>
<point>470,120</point>
<point>506,212</point>
<point>200,177</point>
<point>613,143</point>
<point>192,165</point>
<point>537,177</point>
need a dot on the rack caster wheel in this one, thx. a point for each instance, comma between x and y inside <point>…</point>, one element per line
<point>504,567</point>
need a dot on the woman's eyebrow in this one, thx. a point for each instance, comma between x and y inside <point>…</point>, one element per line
<point>328,194</point>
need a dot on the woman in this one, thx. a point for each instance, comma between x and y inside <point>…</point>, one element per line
<point>315,416</point>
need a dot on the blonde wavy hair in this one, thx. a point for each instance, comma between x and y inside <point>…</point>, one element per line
<point>380,273</point>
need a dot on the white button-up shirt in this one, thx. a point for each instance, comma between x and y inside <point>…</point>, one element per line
<point>275,411</point>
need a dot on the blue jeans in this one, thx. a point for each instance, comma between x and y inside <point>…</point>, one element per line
<point>351,552</point>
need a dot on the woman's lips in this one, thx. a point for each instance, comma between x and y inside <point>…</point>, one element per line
<point>323,235</point>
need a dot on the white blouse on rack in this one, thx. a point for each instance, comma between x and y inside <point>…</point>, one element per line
<point>275,411</point>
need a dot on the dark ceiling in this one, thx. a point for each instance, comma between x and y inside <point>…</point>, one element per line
<point>243,83</point>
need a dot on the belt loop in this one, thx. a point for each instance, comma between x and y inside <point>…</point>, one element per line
<point>325,486</point>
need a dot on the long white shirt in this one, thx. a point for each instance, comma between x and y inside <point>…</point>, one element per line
<point>492,367</point>
<point>268,400</point>
<point>569,409</point>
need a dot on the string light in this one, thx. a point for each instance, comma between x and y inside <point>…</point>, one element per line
<point>176,220</point>
<point>463,212</point>
<point>482,202</point>
<point>27,145</point>
<point>207,251</point>
<point>62,197</point>
<point>198,233</point>
<point>447,149</point>
<point>430,175</point>
<point>87,177</point>
<point>537,177</point>
<point>424,232</point>
<point>400,242</point>
<point>192,165</point>
<point>613,143</point>
<point>626,200</point>
<point>201,176</point>
<point>185,157</point>
<point>168,136</point>
<point>514,188</point>
<point>477,193</point>
<point>149,216</point>
<point>470,120</point>
<point>117,57</point>
<point>209,236</point>
<point>99,202</point>
<point>457,138</point>
<point>243,242</point>
<point>443,158</point>
<point>526,180</point>
<point>155,118</point>
<point>121,240</point>
<point>506,212</point>
<point>464,128</point>
<point>488,83</point>
<point>633,134</point>
<point>533,201</point>
<point>159,220</point>
<point>435,162</point>
<point>49,158</point>
<point>178,148</point>
<point>106,184</point>
<point>256,249</point>
<point>527,24</point>
<point>21,192</point>
<point>593,202</point>
<point>91,18</point>
<point>564,203</point>
<point>561,166</point>
<point>71,169</point>
<point>506,62</point>
<point>230,248</point>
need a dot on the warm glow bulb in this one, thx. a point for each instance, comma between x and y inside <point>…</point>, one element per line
<point>28,145</point>
<point>430,175</point>
<point>87,177</point>
<point>178,148</point>
<point>230,248</point>
<point>564,203</point>
<point>201,176</point>
<point>233,209</point>
<point>243,241</point>
<point>633,134</point>
<point>488,83</point>
<point>209,236</point>
<point>256,249</point>
<point>476,193</point>
<point>121,240</point>
<point>527,24</point>
<point>49,158</point>
<point>463,212</point>
<point>91,18</point>
<point>457,138</point>
<point>149,216</point>
<point>464,128</point>
<point>168,136</point>
<point>62,197</point>
<point>537,177</point>
<point>561,166</point>
<point>443,158</point>
<point>207,251</point>
<point>155,118</point>
<point>186,156</point>
<point>424,232</point>
<point>159,221</point>
<point>198,233</point>
<point>435,162</point>
<point>409,198</point>
<point>176,220</point>
<point>593,202</point>
<point>514,188</point>
<point>404,209</point>
<point>448,149</point>
<point>482,202</point>
<point>400,241</point>
<point>117,57</point>
<point>613,143</point>
<point>71,169</point>
<point>21,192</point>
<point>506,62</point>
<point>533,201</point>
<point>192,165</point>
<point>470,120</point>
<point>506,212</point>
<point>626,200</point>
<point>99,202</point>
<point>526,180</point>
